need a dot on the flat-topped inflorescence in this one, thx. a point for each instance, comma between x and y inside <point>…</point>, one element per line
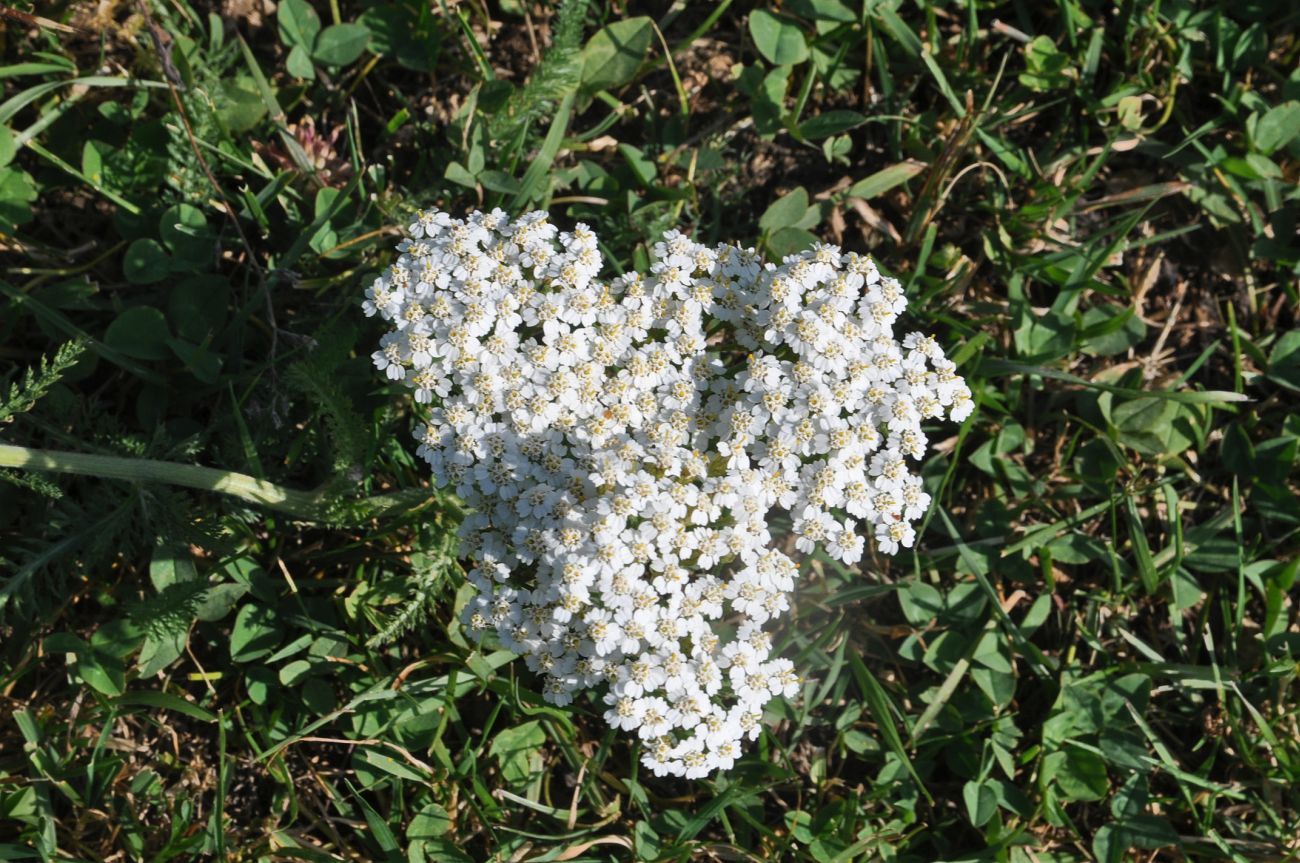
<point>622,444</point>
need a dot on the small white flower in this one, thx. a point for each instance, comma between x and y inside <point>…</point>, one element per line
<point>621,444</point>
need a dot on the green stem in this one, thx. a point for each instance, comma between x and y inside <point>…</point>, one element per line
<point>304,505</point>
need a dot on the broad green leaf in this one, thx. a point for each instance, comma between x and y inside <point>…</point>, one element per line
<point>1145,832</point>
<point>1253,166</point>
<point>1129,112</point>
<point>102,674</point>
<point>146,262</point>
<point>1010,796</point>
<point>171,563</point>
<point>790,241</point>
<point>429,823</point>
<point>1046,67</point>
<point>643,167</point>
<point>884,180</point>
<point>1186,591</point>
<point>299,63</point>
<point>199,360</point>
<point>390,764</point>
<point>1045,337</point>
<point>99,669</point>
<point>63,642</point>
<point>769,101</point>
<point>613,55</point>
<point>779,39</point>
<point>197,306</point>
<point>459,174</point>
<point>1130,798</point>
<point>326,203</point>
<point>645,841</point>
<point>318,696</point>
<point>1119,691</point>
<point>160,650</point>
<point>799,824</point>
<point>1080,774</point>
<point>1264,167</point>
<point>1145,424</point>
<point>515,750</point>
<point>991,651</point>
<point>294,673</point>
<point>260,682</point>
<point>921,602</point>
<point>92,159</point>
<point>1000,687</point>
<point>298,24</point>
<point>1109,330</point>
<point>786,211</point>
<point>499,181</point>
<point>1284,360</point>
<point>836,149</point>
<point>17,190</point>
<point>981,802</point>
<point>139,332</point>
<point>443,850</point>
<point>239,107</point>
<point>185,233</point>
<point>255,634</point>
<point>325,239</point>
<point>118,638</point>
<point>401,32</point>
<point>1278,127</point>
<point>218,601</point>
<point>340,44</point>
<point>822,10</point>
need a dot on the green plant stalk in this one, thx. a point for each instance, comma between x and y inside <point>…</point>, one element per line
<point>304,505</point>
<point>242,486</point>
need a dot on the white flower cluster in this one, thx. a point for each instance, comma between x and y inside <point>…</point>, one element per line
<point>622,443</point>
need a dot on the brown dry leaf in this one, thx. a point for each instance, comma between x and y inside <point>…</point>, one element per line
<point>874,220</point>
<point>604,142</point>
<point>34,20</point>
<point>252,12</point>
<point>835,222</point>
<point>577,850</point>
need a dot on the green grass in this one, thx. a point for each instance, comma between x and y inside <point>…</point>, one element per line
<point>1092,654</point>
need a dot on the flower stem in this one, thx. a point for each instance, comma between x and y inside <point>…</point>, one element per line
<point>304,505</point>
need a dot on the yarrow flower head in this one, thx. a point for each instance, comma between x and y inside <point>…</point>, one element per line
<point>621,443</point>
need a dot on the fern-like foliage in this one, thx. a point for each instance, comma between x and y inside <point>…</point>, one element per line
<point>557,75</point>
<point>168,613</point>
<point>21,395</point>
<point>316,377</point>
<point>431,572</point>
<point>184,172</point>
<point>75,536</point>
<point>59,536</point>
<point>32,482</point>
